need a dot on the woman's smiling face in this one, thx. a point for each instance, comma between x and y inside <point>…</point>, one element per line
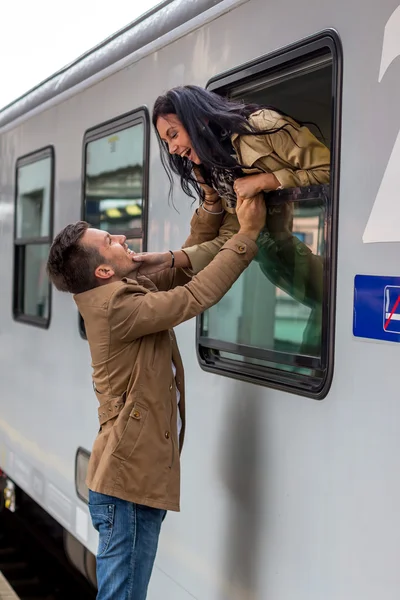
<point>173,133</point>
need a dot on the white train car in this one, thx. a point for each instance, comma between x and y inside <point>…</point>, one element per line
<point>290,468</point>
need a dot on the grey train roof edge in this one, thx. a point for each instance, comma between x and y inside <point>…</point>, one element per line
<point>155,23</point>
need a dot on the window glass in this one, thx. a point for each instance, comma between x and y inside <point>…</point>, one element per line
<point>33,225</point>
<point>36,285</point>
<point>275,324</point>
<point>114,181</point>
<point>33,200</point>
<point>276,305</point>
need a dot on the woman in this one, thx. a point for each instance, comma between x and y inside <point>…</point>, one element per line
<point>222,149</point>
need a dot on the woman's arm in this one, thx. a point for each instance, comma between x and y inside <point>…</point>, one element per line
<point>304,160</point>
<point>205,225</point>
<point>308,157</point>
<point>200,255</point>
<point>202,244</point>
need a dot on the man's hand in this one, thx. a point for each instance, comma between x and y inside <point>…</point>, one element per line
<point>251,215</point>
<point>152,262</point>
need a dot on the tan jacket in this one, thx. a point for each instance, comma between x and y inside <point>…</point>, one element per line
<point>295,157</point>
<point>128,323</point>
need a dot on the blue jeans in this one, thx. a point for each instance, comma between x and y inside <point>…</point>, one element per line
<point>128,540</point>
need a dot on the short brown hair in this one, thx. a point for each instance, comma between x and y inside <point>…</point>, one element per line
<point>71,265</point>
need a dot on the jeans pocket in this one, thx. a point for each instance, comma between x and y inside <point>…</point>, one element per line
<point>102,516</point>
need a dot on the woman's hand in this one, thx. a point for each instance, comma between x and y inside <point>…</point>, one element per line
<point>250,186</point>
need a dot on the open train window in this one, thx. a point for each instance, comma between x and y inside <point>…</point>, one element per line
<point>33,230</point>
<point>276,325</point>
<point>115,166</point>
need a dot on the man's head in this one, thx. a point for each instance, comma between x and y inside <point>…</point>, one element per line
<point>82,258</point>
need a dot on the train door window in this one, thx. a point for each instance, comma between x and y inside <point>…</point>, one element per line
<point>34,191</point>
<point>116,178</point>
<point>276,325</point>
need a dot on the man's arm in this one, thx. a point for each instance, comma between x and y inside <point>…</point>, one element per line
<point>211,227</point>
<point>204,226</point>
<point>201,253</point>
<point>209,232</point>
<point>134,315</point>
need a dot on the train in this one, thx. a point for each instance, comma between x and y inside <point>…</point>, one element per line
<point>289,470</point>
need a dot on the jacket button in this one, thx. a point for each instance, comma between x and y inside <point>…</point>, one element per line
<point>167,435</point>
<point>136,414</point>
<point>241,248</point>
<point>170,387</point>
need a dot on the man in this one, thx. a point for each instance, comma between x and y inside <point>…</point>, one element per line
<point>134,471</point>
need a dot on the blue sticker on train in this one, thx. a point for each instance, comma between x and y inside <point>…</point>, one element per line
<point>376,312</point>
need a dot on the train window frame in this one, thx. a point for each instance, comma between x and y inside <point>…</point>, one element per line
<point>109,127</point>
<point>20,242</point>
<point>82,458</point>
<point>209,350</point>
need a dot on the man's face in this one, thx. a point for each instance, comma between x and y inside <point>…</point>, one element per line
<point>118,261</point>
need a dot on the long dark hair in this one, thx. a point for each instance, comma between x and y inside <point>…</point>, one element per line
<point>210,120</point>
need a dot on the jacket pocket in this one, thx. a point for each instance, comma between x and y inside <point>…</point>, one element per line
<point>132,431</point>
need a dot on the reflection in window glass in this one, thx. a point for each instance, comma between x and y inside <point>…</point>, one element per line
<point>36,285</point>
<point>114,181</point>
<point>33,200</point>
<point>135,244</point>
<point>268,363</point>
<point>276,305</point>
